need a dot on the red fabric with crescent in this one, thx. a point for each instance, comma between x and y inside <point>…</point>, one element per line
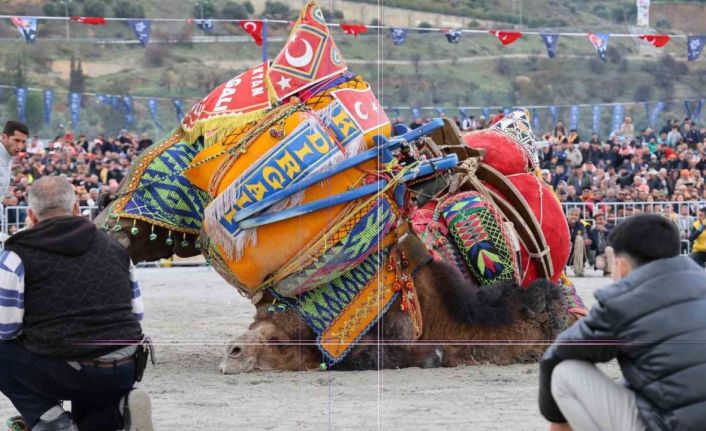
<point>354,29</point>
<point>502,152</point>
<point>363,107</point>
<point>244,93</point>
<point>254,29</point>
<point>309,56</point>
<point>658,40</point>
<point>506,37</point>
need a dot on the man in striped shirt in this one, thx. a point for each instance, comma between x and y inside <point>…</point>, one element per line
<point>70,309</point>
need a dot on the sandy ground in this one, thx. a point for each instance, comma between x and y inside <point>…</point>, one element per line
<point>196,309</point>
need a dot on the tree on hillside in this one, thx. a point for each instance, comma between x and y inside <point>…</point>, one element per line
<point>94,8</point>
<point>54,8</point>
<point>276,10</point>
<point>206,7</point>
<point>236,10</point>
<point>77,80</point>
<point>128,9</point>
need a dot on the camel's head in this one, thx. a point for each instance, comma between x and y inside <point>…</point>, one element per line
<point>274,341</point>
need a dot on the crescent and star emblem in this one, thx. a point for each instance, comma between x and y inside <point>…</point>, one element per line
<point>359,112</point>
<point>250,27</point>
<point>302,60</point>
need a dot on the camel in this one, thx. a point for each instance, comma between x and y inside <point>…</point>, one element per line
<point>463,323</point>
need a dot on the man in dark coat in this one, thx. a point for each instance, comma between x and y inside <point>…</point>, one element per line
<point>653,321</point>
<point>69,321</point>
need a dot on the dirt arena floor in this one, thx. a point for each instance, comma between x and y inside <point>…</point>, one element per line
<point>196,313</point>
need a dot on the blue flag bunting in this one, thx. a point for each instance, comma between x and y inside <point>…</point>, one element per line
<point>453,36</point>
<point>205,25</point>
<point>697,109</point>
<point>550,41</point>
<point>141,27</point>
<point>485,112</point>
<point>441,112</point>
<point>554,113</point>
<point>75,109</point>
<point>21,94</point>
<point>129,116</point>
<point>618,114</point>
<point>506,111</point>
<point>115,102</point>
<point>574,117</point>
<point>596,111</point>
<point>396,112</point>
<point>694,46</point>
<point>265,41</point>
<point>693,108</point>
<point>463,112</point>
<point>48,104</point>
<point>654,115</point>
<point>399,35</point>
<point>152,104</point>
<point>27,26</point>
<point>178,109</point>
<point>600,42</point>
<point>535,120</point>
<point>104,99</point>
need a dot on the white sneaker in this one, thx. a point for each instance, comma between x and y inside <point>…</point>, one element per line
<point>137,412</point>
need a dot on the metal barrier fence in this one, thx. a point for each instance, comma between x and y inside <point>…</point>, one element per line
<point>682,213</point>
<point>14,218</point>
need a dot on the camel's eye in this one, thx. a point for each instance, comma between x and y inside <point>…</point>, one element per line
<point>277,342</point>
<point>236,351</point>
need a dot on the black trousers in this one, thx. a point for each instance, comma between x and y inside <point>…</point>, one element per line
<point>699,257</point>
<point>34,384</point>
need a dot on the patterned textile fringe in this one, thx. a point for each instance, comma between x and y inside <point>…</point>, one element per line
<point>219,128</point>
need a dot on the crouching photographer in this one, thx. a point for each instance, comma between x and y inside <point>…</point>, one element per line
<point>69,322</point>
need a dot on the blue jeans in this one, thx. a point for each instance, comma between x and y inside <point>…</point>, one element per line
<point>36,383</point>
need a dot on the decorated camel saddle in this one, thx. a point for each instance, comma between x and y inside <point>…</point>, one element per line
<point>299,188</point>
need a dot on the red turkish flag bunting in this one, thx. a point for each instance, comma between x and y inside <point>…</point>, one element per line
<point>254,29</point>
<point>354,29</point>
<point>363,107</point>
<point>91,20</point>
<point>658,40</point>
<point>506,37</point>
<point>309,56</point>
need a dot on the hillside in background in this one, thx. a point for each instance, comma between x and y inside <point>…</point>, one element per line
<point>426,71</point>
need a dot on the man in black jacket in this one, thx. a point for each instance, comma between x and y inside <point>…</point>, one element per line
<point>69,321</point>
<point>653,321</point>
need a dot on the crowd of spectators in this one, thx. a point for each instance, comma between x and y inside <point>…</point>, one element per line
<point>94,166</point>
<point>629,172</point>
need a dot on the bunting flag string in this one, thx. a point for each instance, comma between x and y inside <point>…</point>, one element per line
<point>257,29</point>
<point>27,26</point>
<point>550,41</point>
<point>90,20</point>
<point>142,29</point>
<point>596,111</point>
<point>574,117</point>
<point>48,105</point>
<point>600,43</point>
<point>124,104</point>
<point>21,95</point>
<point>75,109</point>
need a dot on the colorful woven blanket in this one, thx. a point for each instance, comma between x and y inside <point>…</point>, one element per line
<point>156,191</point>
